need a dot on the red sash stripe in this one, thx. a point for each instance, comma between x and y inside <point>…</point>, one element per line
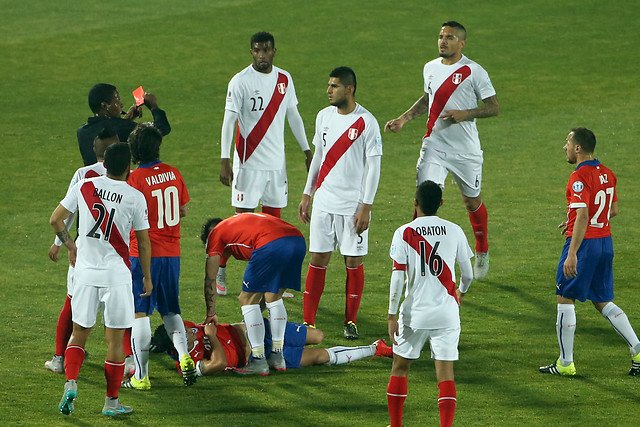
<point>246,147</point>
<point>115,238</point>
<point>443,94</point>
<point>338,149</point>
<point>445,278</point>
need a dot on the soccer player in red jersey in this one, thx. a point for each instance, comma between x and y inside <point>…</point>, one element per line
<point>166,195</point>
<point>453,84</point>
<point>585,269</point>
<point>275,250</point>
<point>222,347</point>
<point>104,139</point>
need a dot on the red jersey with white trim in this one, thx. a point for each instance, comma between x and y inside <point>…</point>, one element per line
<point>107,210</point>
<point>165,191</point>
<point>344,141</point>
<point>429,247</point>
<point>261,102</point>
<point>454,87</point>
<point>90,171</point>
<point>229,339</point>
<point>592,185</point>
<point>241,234</point>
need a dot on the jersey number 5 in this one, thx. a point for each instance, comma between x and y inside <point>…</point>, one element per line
<point>102,215</point>
<point>430,259</point>
<point>168,206</point>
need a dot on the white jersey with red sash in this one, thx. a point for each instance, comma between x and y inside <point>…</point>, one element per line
<point>344,141</point>
<point>454,87</point>
<point>427,249</point>
<point>261,102</point>
<point>107,210</point>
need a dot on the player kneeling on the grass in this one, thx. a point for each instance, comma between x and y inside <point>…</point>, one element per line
<point>424,252</point>
<point>275,250</point>
<point>108,209</point>
<point>217,348</point>
<point>585,269</point>
<point>166,195</point>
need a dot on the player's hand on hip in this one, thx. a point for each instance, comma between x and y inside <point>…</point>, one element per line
<point>393,329</point>
<point>570,267</point>
<point>394,125</point>
<point>226,173</point>
<point>303,209</point>
<point>53,252</point>
<point>147,287</point>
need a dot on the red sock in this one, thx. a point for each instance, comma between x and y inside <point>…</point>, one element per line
<point>478,220</point>
<point>64,327</point>
<point>73,358</point>
<point>354,288</point>
<point>126,343</point>
<point>113,373</point>
<point>396,394</point>
<point>271,211</point>
<point>447,402</point>
<point>313,288</point>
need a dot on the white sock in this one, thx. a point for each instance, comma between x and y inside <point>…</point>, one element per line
<point>255,329</point>
<point>566,330</point>
<point>278,323</point>
<point>175,329</point>
<point>140,343</point>
<point>620,323</point>
<point>341,355</point>
<point>222,273</point>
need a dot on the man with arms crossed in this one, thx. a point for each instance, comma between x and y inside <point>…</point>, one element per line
<point>166,196</point>
<point>452,86</point>
<point>108,208</point>
<point>585,269</point>
<point>258,99</point>
<point>424,252</point>
<point>343,179</point>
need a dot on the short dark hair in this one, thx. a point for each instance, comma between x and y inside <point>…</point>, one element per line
<point>262,37</point>
<point>346,75</point>
<point>145,141</point>
<point>103,140</point>
<point>429,197</point>
<point>102,92</point>
<point>160,341</point>
<point>585,139</point>
<point>117,158</point>
<point>458,26</point>
<point>209,225</point>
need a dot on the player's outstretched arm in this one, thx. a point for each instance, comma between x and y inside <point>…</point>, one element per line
<point>417,109</point>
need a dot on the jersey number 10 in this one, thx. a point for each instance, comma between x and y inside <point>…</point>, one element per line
<point>168,206</point>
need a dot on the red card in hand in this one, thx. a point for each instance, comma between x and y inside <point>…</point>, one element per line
<point>138,95</point>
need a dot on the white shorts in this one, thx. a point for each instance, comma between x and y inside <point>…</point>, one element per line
<point>249,187</point>
<point>70,280</point>
<point>435,165</point>
<point>118,305</point>
<point>328,232</point>
<point>443,342</point>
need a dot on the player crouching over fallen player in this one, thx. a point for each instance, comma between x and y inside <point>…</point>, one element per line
<point>225,347</point>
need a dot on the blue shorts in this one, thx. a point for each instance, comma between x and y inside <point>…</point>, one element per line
<point>165,273</point>
<point>595,272</point>
<point>295,338</point>
<point>276,265</point>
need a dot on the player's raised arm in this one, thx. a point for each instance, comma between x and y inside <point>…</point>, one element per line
<point>417,109</point>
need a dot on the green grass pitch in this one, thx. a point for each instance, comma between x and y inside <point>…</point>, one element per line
<point>555,65</point>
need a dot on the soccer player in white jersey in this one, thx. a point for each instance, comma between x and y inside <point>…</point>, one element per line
<point>108,208</point>
<point>105,138</point>
<point>258,100</point>
<point>343,179</point>
<point>453,84</point>
<point>424,254</point>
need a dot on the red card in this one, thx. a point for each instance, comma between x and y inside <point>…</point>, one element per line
<point>138,95</point>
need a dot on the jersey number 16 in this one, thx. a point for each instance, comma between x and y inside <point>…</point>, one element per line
<point>429,258</point>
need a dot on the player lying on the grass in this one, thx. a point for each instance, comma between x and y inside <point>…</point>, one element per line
<point>216,348</point>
